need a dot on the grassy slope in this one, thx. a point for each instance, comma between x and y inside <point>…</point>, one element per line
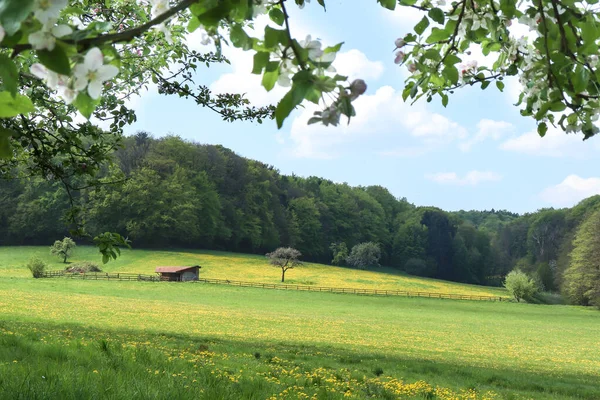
<point>534,351</point>
<point>245,267</point>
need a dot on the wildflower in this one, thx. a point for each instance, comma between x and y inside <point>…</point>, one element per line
<point>45,38</point>
<point>95,371</point>
<point>92,73</point>
<point>48,10</point>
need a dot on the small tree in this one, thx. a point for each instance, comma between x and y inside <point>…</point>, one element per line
<point>285,258</point>
<point>520,285</point>
<point>340,253</point>
<point>36,266</point>
<point>364,255</point>
<point>63,248</point>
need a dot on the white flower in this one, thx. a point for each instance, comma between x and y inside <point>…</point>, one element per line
<point>54,81</point>
<point>285,70</point>
<point>440,3</point>
<point>48,10</point>
<point>313,47</point>
<point>412,67</point>
<point>399,43</point>
<point>159,7</point>
<point>45,38</point>
<point>2,33</point>
<point>93,73</point>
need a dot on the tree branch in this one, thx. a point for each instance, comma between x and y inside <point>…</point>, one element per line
<point>124,36</point>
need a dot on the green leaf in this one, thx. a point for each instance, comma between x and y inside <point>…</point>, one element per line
<point>421,26</point>
<point>500,85</point>
<point>261,59</point>
<point>5,147</point>
<point>437,15</point>
<point>9,74</point>
<point>85,104</point>
<point>444,99</point>
<point>274,36</point>
<point>542,129</point>
<point>438,35</point>
<point>451,73</point>
<point>292,98</point>
<point>193,24</point>
<point>13,12</point>
<point>55,60</point>
<point>452,59</point>
<point>239,38</point>
<point>389,4</point>
<point>12,106</point>
<point>581,78</point>
<point>277,16</point>
<point>557,106</point>
<point>269,79</point>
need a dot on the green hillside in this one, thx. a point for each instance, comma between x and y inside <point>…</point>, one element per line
<point>234,266</point>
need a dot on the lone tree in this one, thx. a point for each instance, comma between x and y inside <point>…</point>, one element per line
<point>364,255</point>
<point>520,285</point>
<point>63,248</point>
<point>285,258</point>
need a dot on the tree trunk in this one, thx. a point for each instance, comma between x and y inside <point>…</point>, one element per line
<point>65,259</point>
<point>282,275</point>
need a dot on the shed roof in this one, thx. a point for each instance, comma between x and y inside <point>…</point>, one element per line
<point>175,269</point>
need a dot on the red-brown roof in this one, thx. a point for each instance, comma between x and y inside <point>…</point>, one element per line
<point>174,269</point>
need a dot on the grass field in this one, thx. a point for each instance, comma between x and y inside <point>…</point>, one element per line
<point>252,268</point>
<point>79,339</point>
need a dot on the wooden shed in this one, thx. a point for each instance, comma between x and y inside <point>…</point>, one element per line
<point>179,274</point>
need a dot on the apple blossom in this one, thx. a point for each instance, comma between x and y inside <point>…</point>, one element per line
<point>399,57</point>
<point>92,73</point>
<point>45,38</point>
<point>48,10</point>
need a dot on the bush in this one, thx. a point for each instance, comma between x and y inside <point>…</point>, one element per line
<point>364,255</point>
<point>520,286</point>
<point>83,267</point>
<point>37,267</point>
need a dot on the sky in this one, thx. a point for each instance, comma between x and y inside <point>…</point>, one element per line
<point>477,153</point>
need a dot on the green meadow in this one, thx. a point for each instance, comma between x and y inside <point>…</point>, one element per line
<point>72,339</point>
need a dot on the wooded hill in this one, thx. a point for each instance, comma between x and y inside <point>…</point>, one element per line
<point>173,193</point>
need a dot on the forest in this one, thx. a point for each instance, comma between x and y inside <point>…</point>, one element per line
<point>172,193</point>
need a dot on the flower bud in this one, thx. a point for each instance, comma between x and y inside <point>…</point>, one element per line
<point>358,87</point>
<point>399,43</point>
<point>399,57</point>
<point>412,67</point>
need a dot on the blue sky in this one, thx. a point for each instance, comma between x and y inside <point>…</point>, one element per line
<point>478,153</point>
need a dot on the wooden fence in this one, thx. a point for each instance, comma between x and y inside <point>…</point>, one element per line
<point>283,286</point>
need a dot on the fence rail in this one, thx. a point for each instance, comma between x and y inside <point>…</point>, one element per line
<point>283,286</point>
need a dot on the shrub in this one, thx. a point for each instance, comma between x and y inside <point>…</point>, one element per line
<point>364,255</point>
<point>37,267</point>
<point>520,286</point>
<point>83,267</point>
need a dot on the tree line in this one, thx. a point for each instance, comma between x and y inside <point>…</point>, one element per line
<point>169,192</point>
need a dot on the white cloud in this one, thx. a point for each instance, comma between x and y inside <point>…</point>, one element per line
<point>380,113</point>
<point>488,129</point>
<point>472,178</point>
<point>555,143</point>
<point>354,64</point>
<point>571,191</point>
